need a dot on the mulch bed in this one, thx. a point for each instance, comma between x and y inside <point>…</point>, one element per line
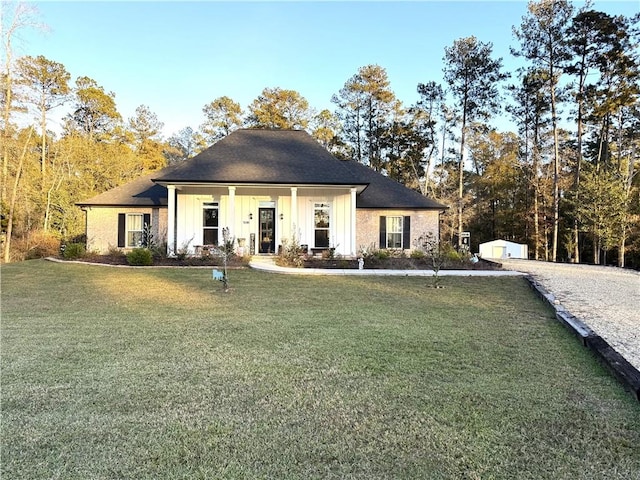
<point>311,262</point>
<point>236,262</point>
<point>398,264</point>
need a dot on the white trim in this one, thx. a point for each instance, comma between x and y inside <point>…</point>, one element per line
<point>329,230</point>
<point>388,231</point>
<point>210,206</point>
<point>294,210</point>
<point>357,186</point>
<point>171,220</point>
<point>128,229</point>
<point>354,191</point>
<point>231,211</point>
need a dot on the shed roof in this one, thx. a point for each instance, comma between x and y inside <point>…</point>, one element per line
<point>502,243</point>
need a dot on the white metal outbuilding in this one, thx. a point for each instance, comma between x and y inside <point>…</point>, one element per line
<point>503,249</point>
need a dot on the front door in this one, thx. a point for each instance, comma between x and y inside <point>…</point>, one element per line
<point>267,232</point>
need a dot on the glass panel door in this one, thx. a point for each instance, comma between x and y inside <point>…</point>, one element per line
<point>266,232</point>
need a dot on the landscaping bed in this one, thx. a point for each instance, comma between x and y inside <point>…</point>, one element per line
<point>161,261</point>
<point>390,263</point>
<point>398,263</point>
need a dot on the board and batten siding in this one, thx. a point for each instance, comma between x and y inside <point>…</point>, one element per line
<point>248,201</point>
<point>339,218</point>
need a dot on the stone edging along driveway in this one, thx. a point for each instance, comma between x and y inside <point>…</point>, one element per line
<point>601,305</point>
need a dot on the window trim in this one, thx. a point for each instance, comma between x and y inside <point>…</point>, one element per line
<point>322,205</point>
<point>211,206</point>
<point>124,228</point>
<point>405,232</point>
<point>399,231</point>
<point>129,230</point>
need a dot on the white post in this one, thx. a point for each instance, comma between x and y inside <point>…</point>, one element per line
<point>231,211</point>
<point>171,220</point>
<point>353,221</point>
<point>294,210</point>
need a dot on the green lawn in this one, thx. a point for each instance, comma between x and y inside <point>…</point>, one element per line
<point>155,373</point>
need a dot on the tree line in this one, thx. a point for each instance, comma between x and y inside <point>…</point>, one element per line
<point>565,182</point>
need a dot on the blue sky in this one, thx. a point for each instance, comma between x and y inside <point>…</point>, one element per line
<point>177,56</point>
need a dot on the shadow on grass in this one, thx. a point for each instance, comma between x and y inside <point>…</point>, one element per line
<point>117,373</point>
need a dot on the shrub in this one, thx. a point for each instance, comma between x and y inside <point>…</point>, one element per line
<point>37,244</point>
<point>184,249</point>
<point>113,251</point>
<point>140,257</point>
<point>291,253</point>
<point>418,254</point>
<point>159,251</point>
<point>452,255</point>
<point>382,254</point>
<point>329,253</point>
<point>73,250</point>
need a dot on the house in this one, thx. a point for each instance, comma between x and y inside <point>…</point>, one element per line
<point>266,187</point>
<point>503,249</point>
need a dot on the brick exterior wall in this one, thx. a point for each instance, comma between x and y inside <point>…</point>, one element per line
<point>368,225</point>
<point>102,226</point>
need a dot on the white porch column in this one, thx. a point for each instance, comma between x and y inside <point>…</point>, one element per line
<point>353,222</point>
<point>231,210</point>
<point>171,220</point>
<point>294,211</point>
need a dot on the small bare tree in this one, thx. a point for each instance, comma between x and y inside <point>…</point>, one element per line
<point>433,248</point>
<point>225,252</point>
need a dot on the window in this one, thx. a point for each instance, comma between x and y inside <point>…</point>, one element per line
<point>321,224</point>
<point>210,224</point>
<point>135,229</point>
<point>395,232</point>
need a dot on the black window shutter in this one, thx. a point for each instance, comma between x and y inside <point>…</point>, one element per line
<point>383,232</point>
<point>146,229</point>
<point>406,232</point>
<point>122,219</point>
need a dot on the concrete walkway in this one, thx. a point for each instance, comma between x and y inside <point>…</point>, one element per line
<point>267,263</point>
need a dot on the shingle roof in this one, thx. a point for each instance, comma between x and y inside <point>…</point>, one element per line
<point>141,192</point>
<point>263,156</point>
<point>384,192</point>
<point>289,157</point>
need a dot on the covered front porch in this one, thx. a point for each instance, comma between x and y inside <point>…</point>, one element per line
<point>261,217</point>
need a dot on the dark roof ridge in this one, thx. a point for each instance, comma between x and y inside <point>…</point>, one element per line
<point>268,156</point>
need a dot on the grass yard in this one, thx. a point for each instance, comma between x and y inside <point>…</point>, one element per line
<point>113,373</point>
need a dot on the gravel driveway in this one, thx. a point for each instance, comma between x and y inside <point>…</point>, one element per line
<point>607,299</point>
